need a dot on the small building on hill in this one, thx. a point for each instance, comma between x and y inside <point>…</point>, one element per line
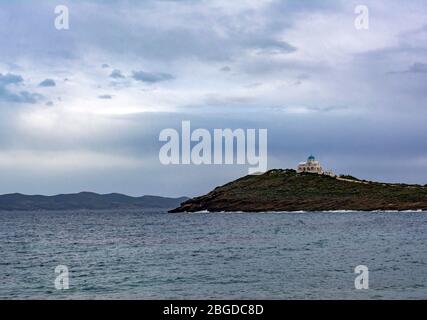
<point>313,166</point>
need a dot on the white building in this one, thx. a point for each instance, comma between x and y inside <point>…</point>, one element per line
<point>313,166</point>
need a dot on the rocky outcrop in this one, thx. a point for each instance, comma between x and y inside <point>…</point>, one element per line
<point>287,190</point>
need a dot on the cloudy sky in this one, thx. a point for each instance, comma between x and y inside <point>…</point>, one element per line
<point>82,109</point>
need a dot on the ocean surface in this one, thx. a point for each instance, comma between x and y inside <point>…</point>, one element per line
<point>143,255</point>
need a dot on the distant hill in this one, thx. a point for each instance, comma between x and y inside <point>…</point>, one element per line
<point>287,190</point>
<point>85,200</point>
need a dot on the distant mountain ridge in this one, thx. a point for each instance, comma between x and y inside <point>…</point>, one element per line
<point>85,200</point>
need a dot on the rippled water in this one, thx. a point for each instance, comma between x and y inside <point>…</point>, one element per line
<point>135,255</point>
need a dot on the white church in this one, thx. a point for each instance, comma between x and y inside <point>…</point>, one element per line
<point>313,166</point>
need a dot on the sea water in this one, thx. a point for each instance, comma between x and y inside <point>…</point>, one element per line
<point>156,255</point>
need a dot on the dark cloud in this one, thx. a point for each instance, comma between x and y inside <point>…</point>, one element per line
<point>116,74</point>
<point>7,95</point>
<point>10,79</point>
<point>47,83</point>
<point>418,68</point>
<point>104,66</point>
<point>151,77</point>
<point>105,96</point>
<point>266,46</point>
<point>20,97</point>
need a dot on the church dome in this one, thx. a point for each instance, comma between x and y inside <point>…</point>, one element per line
<point>311,158</point>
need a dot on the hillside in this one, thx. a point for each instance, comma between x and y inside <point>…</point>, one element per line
<point>84,200</point>
<point>286,190</point>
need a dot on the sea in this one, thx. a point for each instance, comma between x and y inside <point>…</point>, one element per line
<point>158,255</point>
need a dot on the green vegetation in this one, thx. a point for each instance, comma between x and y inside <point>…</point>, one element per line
<point>287,190</point>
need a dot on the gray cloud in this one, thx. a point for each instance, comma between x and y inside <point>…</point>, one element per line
<point>269,46</point>
<point>47,83</point>
<point>10,78</point>
<point>20,97</point>
<point>417,68</point>
<point>383,149</point>
<point>7,95</point>
<point>151,77</point>
<point>116,74</point>
<point>105,96</point>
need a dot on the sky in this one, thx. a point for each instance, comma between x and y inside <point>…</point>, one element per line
<point>81,109</point>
